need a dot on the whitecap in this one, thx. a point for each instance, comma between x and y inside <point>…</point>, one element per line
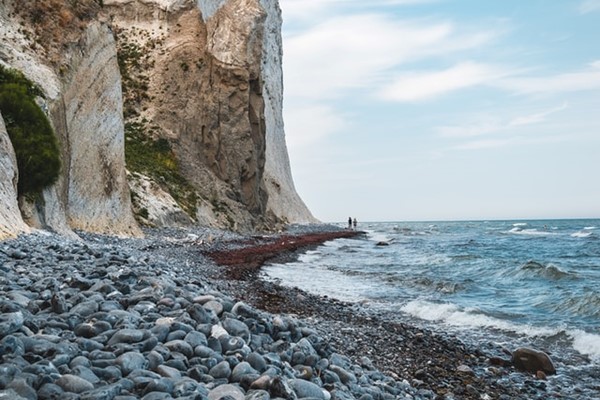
<point>582,234</point>
<point>589,228</point>
<point>378,237</point>
<point>452,315</point>
<point>586,343</point>
<point>520,224</point>
<point>529,232</point>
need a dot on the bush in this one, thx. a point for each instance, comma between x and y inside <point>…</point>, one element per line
<point>30,132</point>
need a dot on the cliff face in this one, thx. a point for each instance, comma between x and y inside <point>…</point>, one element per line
<point>190,91</point>
<point>11,222</point>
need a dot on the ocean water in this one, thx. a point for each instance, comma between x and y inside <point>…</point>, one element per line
<point>533,283</point>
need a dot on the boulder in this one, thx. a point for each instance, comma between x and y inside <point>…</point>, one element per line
<point>530,360</point>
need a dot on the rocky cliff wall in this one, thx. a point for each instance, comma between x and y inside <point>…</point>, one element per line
<point>283,200</point>
<point>191,90</point>
<point>76,67</point>
<point>11,222</point>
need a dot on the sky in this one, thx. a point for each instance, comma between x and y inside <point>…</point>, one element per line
<point>422,110</point>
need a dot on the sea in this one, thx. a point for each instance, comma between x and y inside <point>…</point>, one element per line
<point>511,283</point>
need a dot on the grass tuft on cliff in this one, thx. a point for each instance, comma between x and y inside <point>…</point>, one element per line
<point>32,136</point>
<point>156,159</point>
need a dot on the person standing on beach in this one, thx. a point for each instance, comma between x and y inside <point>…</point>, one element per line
<point>349,222</point>
<point>355,223</point>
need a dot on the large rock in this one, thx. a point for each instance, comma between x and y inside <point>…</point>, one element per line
<point>11,222</point>
<point>98,197</point>
<point>530,360</point>
<point>79,75</point>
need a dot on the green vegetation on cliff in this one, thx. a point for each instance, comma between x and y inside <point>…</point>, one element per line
<point>30,132</point>
<point>156,159</point>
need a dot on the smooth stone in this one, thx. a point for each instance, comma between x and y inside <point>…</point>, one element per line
<point>127,336</point>
<point>74,384</point>
<point>231,392</point>
<point>214,306</point>
<point>159,385</point>
<point>176,335</point>
<point>50,391</point>
<point>221,370</point>
<point>85,309</point>
<point>85,373</point>
<point>199,314</point>
<point>10,323</point>
<point>168,372</point>
<point>244,310</point>
<point>157,396</point>
<point>12,345</point>
<point>195,339</point>
<point>258,395</point>
<point>345,376</point>
<point>236,328</point>
<point>186,387</point>
<point>180,346</point>
<point>87,330</point>
<point>10,394</point>
<point>108,392</point>
<point>530,360</point>
<point>7,373</point>
<point>257,362</point>
<point>109,374</point>
<point>280,388</point>
<point>22,388</point>
<point>80,361</point>
<point>465,369</point>
<point>243,368</point>
<point>130,362</point>
<point>154,360</point>
<point>230,344</point>
<point>308,389</point>
<point>263,382</point>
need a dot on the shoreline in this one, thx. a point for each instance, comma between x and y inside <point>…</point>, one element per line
<point>147,274</point>
<point>427,360</point>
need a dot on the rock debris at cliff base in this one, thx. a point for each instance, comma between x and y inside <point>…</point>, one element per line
<point>107,318</point>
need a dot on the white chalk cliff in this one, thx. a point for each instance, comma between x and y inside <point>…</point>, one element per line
<point>199,80</point>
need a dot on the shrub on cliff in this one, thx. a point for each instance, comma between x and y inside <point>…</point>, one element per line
<point>30,132</point>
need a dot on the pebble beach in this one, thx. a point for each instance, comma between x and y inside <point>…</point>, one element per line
<point>158,318</point>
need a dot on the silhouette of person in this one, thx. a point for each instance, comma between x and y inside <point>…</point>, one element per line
<point>354,222</point>
<point>349,222</point>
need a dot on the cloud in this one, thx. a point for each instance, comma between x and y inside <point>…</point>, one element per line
<point>578,81</point>
<point>310,9</point>
<point>427,85</point>
<point>489,125</point>
<point>361,51</point>
<point>537,117</point>
<point>484,126</point>
<point>589,6</point>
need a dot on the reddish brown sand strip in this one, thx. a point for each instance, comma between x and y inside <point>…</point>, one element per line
<point>245,261</point>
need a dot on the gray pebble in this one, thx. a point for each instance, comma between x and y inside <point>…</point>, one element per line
<point>74,384</point>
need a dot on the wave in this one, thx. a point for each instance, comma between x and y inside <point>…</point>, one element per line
<point>451,314</point>
<point>520,224</point>
<point>583,234</point>
<point>589,228</point>
<point>549,271</point>
<point>586,343</point>
<point>528,232</point>
<point>379,237</point>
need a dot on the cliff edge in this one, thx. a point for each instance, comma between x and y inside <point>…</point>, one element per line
<point>167,113</point>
